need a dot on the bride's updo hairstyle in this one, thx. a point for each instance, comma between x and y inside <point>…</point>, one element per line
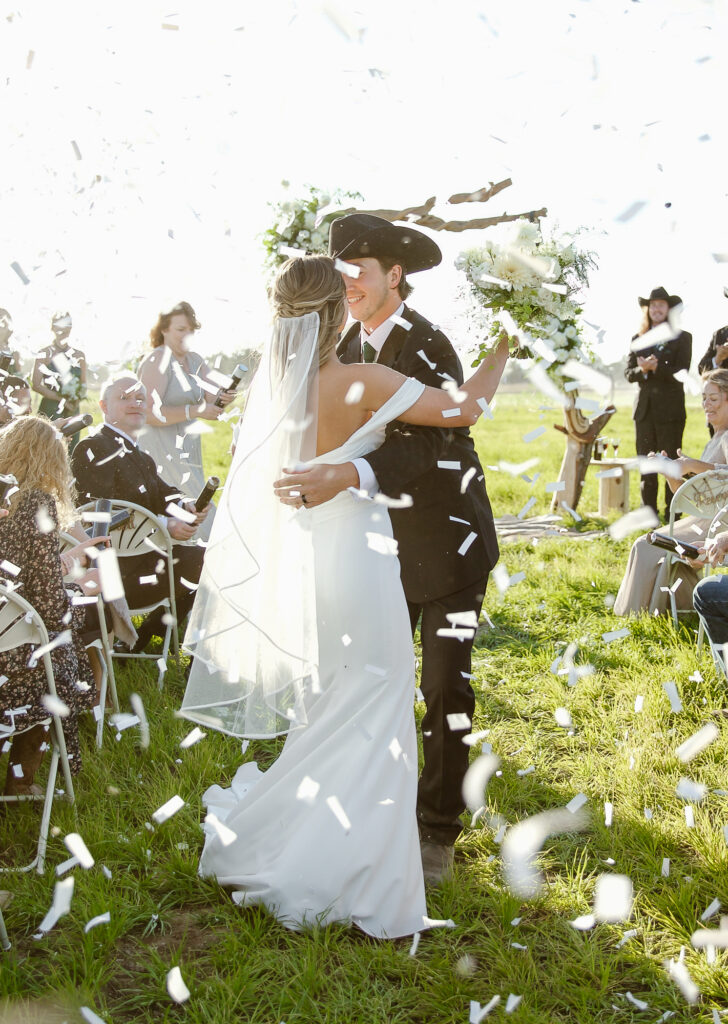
<point>311,284</point>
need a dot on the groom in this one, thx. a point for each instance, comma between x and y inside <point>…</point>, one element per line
<point>447,541</point>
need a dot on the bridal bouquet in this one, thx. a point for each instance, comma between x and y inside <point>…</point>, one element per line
<point>304,223</point>
<point>528,284</point>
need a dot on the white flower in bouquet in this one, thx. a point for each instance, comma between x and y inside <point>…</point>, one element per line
<point>309,220</point>
<point>507,274</point>
<point>317,240</point>
<point>303,223</point>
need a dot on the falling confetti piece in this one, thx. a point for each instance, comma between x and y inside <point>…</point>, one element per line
<point>55,705</point>
<point>522,843</point>
<point>711,909</point>
<point>20,272</point>
<point>166,811</point>
<point>61,905</point>
<point>673,696</point>
<point>615,634</point>
<point>608,813</point>
<point>696,743</point>
<point>477,778</point>
<point>90,1017</point>
<point>478,1012</point>
<point>613,896</point>
<point>176,987</point>
<point>332,802</point>
<point>512,1002</point>
<point>640,1004</point>
<point>96,921</point>
<point>76,846</point>
<point>686,789</point>
<point>354,394</point>
<point>679,973</point>
<point>349,269</point>
<point>138,709</point>
<point>192,737</point>
<point>532,435</point>
<point>112,589</point>
<point>643,518</point>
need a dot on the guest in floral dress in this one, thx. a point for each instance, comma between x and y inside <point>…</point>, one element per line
<point>32,450</point>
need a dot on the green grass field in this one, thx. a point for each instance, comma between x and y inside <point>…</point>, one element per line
<point>243,966</point>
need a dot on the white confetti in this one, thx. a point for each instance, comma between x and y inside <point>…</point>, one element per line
<point>477,778</point>
<point>112,589</point>
<point>679,973</point>
<point>478,1012</point>
<point>711,909</point>
<point>686,789</point>
<point>522,843</point>
<point>613,897</point>
<point>639,1003</point>
<point>445,464</point>
<point>665,871</point>
<point>382,543</point>
<point>458,720</point>
<point>166,811</point>
<point>176,987</point>
<point>584,923</point>
<point>77,848</point>
<point>608,813</point>
<point>90,1017</point>
<point>533,434</point>
<point>96,921</point>
<point>138,709</point>
<point>615,634</point>
<point>689,816</point>
<point>354,394</point>
<point>563,718</point>
<point>192,737</point>
<point>55,705</point>
<point>512,1002</point>
<point>467,477</point>
<point>415,943</point>
<point>332,802</point>
<point>576,803</point>
<point>61,905</point>
<point>639,703</point>
<point>643,518</point>
<point>673,696</point>
<point>349,269</point>
<point>465,546</point>
<point>696,743</point>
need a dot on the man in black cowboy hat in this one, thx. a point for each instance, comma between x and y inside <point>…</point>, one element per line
<point>659,406</point>
<point>447,541</point>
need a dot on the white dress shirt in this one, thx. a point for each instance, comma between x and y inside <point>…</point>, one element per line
<point>367,479</point>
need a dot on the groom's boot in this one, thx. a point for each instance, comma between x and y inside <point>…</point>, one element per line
<point>437,861</point>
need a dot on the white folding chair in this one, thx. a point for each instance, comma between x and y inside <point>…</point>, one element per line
<point>108,679</point>
<point>4,932</point>
<point>144,532</point>
<point>703,496</point>
<point>21,624</point>
<point>719,523</point>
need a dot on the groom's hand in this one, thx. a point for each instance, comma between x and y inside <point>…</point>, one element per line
<point>316,485</point>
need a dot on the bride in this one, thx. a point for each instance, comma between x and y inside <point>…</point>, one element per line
<point>300,627</point>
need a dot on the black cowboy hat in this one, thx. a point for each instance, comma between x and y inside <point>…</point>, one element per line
<point>361,234</point>
<point>660,293</point>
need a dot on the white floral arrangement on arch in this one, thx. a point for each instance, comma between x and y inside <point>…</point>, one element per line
<point>528,284</point>
<point>303,224</point>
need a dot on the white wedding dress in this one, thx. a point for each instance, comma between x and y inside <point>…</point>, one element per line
<point>329,831</point>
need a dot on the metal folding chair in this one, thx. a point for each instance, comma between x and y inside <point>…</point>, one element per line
<point>145,532</point>
<point>703,496</point>
<point>21,624</point>
<point>108,679</point>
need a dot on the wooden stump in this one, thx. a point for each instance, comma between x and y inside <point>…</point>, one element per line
<point>580,436</point>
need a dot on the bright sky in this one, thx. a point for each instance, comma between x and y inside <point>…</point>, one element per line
<point>591,106</point>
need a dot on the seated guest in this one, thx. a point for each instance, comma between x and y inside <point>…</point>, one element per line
<point>111,465</point>
<point>716,353</point>
<point>646,574</point>
<point>710,597</point>
<point>33,451</point>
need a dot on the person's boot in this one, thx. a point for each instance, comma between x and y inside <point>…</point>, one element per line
<point>25,751</point>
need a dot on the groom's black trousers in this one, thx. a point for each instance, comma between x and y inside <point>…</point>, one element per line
<point>445,685</point>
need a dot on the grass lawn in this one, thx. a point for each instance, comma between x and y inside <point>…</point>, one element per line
<point>243,966</point>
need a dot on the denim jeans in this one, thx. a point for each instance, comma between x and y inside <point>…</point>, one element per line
<point>710,599</point>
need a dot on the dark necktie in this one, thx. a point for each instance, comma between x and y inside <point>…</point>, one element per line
<point>369,353</point>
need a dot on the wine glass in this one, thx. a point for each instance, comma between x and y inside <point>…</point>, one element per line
<point>615,445</point>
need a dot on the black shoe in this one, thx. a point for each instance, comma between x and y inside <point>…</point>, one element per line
<point>121,648</point>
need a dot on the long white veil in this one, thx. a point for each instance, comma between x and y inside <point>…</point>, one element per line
<point>252,630</point>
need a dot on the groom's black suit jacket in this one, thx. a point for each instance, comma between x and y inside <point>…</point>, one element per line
<point>407,462</point>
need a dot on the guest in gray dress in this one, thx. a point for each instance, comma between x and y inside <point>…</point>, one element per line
<point>644,585</point>
<point>180,393</point>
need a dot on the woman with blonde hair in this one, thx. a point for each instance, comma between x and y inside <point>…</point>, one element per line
<point>32,450</point>
<point>300,628</point>
<point>180,392</point>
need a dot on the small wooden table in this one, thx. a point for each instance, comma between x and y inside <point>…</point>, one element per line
<point>613,489</point>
